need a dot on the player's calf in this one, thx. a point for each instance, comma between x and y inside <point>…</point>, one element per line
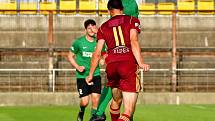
<point>114,113</point>
<point>81,113</point>
<point>80,116</point>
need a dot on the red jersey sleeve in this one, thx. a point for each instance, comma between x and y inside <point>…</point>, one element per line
<point>100,34</point>
<point>135,24</point>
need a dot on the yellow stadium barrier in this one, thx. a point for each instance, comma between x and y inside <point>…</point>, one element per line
<point>186,6</point>
<point>103,7</point>
<point>205,5</point>
<point>87,6</point>
<point>168,7</point>
<point>68,5</point>
<point>147,8</point>
<point>28,6</point>
<point>8,6</point>
<point>46,6</point>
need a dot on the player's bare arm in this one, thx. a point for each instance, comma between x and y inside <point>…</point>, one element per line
<point>136,50</point>
<point>71,58</point>
<point>95,59</point>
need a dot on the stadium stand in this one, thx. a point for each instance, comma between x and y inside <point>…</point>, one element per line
<point>47,6</point>
<point>103,7</point>
<point>9,5</point>
<point>186,7</point>
<point>167,6</point>
<point>87,7</point>
<point>206,5</point>
<point>147,8</point>
<point>68,5</point>
<point>24,45</point>
<point>28,5</point>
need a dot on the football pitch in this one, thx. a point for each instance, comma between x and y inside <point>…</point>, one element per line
<point>143,113</point>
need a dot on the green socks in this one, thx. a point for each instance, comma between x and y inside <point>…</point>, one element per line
<point>105,98</point>
<point>93,111</point>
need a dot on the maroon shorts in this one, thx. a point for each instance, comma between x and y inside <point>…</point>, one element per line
<point>123,75</point>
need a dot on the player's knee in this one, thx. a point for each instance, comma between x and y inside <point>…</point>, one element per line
<point>117,100</point>
<point>116,104</point>
<point>95,100</point>
<point>84,102</point>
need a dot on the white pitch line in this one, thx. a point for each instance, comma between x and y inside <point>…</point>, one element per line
<point>199,107</point>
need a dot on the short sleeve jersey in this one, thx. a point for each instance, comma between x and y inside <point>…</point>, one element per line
<point>116,33</point>
<point>83,49</point>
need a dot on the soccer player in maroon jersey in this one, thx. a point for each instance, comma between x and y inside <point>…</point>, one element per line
<point>120,34</point>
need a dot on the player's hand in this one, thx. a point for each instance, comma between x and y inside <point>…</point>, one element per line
<point>89,80</point>
<point>145,67</point>
<point>102,62</point>
<point>81,68</point>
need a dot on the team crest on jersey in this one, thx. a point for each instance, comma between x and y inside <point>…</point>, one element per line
<point>137,25</point>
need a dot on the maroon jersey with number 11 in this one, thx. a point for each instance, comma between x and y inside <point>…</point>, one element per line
<point>116,33</point>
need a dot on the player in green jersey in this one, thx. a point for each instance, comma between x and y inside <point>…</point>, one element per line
<point>80,57</point>
<point>131,9</point>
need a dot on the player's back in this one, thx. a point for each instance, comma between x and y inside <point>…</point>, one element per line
<point>116,33</point>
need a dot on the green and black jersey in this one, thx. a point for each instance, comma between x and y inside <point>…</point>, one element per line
<point>83,49</point>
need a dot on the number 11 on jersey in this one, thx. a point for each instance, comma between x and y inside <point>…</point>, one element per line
<point>116,36</point>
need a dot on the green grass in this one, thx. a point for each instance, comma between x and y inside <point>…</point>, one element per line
<point>143,113</point>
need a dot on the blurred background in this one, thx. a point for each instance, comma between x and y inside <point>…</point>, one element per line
<point>177,40</point>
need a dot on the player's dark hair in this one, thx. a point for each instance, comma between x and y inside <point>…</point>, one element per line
<point>88,22</point>
<point>114,4</point>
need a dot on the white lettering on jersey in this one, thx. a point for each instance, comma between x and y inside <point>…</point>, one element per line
<point>121,49</point>
<point>87,54</point>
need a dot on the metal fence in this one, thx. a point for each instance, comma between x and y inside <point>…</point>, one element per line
<point>64,80</point>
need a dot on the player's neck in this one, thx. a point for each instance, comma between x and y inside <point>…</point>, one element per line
<point>89,38</point>
<point>116,12</point>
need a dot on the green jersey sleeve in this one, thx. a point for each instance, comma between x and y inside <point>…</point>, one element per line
<point>74,47</point>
